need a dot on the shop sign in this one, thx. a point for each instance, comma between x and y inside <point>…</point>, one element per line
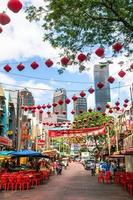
<point>128,142</point>
<point>41,142</point>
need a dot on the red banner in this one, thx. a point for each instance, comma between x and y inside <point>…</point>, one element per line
<point>77,132</point>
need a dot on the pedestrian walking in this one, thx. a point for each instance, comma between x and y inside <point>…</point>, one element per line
<point>93,169</point>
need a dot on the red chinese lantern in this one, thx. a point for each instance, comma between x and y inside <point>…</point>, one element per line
<point>7,68</point>
<point>79,121</point>
<point>34,65</point>
<point>121,73</point>
<point>48,112</point>
<point>81,111</point>
<point>111,79</point>
<point>89,110</point>
<point>99,52</point>
<point>67,101</point>
<point>117,46</point>
<point>117,103</point>
<point>82,94</point>
<point>110,110</point>
<point>25,109</point>
<point>60,102</point>
<point>4,19</point>
<point>117,108</point>
<point>44,123</point>
<point>54,104</point>
<point>85,120</point>
<point>82,57</point>
<point>30,107</point>
<point>49,106</point>
<point>38,107</point>
<point>20,67</point>
<point>99,108</point>
<point>1,30</point>
<point>125,105</point>
<point>56,112</point>
<point>74,98</point>
<point>40,111</point>
<point>107,106</point>
<point>34,107</point>
<point>33,111</point>
<point>22,107</point>
<point>49,63</point>
<point>126,100</point>
<point>91,90</point>
<point>14,5</point>
<point>131,66</point>
<point>64,60</point>
<point>73,112</point>
<point>44,106</point>
<point>100,85</point>
<point>64,112</point>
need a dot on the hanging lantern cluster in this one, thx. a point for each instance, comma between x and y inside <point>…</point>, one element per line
<point>15,6</point>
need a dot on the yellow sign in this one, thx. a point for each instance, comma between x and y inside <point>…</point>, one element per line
<point>10,132</point>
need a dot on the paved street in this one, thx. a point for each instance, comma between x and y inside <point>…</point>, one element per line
<point>74,184</point>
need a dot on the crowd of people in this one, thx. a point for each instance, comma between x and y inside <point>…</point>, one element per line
<point>104,166</point>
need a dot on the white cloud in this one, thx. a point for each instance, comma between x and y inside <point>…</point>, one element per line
<point>21,39</point>
<point>43,90</point>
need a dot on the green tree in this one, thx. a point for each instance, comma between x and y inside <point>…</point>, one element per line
<point>79,24</point>
<point>94,119</point>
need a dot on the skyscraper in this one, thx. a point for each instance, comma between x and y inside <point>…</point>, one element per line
<point>60,94</point>
<point>102,96</point>
<point>26,98</point>
<point>80,105</point>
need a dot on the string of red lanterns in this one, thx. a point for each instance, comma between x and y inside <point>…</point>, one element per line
<point>15,6</point>
<point>60,102</point>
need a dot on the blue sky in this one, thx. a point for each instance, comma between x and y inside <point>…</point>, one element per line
<point>21,41</point>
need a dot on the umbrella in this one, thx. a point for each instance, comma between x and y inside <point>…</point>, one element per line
<point>25,153</point>
<point>28,153</point>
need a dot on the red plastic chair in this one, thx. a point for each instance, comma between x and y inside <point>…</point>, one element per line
<point>26,182</point>
<point>11,183</point>
<point>107,177</point>
<point>19,183</point>
<point>101,177</point>
<point>4,182</point>
<point>130,188</point>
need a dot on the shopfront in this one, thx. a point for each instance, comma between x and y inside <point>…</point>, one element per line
<point>4,143</point>
<point>128,151</point>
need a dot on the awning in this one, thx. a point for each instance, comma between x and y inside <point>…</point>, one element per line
<point>28,153</point>
<point>24,153</point>
<point>5,141</point>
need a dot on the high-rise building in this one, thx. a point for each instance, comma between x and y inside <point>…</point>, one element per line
<point>80,105</point>
<point>60,94</point>
<point>26,98</point>
<point>102,96</point>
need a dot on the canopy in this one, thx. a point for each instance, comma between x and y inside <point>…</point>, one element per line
<point>5,153</point>
<point>25,153</point>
